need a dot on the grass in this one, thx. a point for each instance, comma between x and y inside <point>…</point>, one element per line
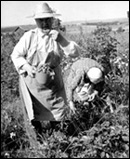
<point>100,130</point>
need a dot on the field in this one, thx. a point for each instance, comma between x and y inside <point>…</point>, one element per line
<point>100,130</point>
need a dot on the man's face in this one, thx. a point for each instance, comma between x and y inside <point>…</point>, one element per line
<point>44,23</point>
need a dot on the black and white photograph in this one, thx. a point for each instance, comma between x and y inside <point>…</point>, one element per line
<point>65,79</point>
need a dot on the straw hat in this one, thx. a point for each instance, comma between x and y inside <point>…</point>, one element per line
<point>95,75</point>
<point>43,11</point>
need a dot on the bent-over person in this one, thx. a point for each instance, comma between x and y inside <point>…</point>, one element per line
<point>85,81</point>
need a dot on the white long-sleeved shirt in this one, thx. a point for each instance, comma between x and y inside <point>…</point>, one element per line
<point>35,41</point>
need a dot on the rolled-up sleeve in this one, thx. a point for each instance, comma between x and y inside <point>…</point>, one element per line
<point>19,53</point>
<point>72,50</point>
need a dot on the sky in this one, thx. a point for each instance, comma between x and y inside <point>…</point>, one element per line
<point>16,12</point>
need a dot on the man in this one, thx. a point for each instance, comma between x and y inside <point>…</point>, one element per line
<point>37,58</point>
<point>85,81</point>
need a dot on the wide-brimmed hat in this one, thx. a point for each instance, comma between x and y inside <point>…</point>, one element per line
<point>44,11</point>
<point>95,74</point>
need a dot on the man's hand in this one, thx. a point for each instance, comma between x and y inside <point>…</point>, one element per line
<point>92,96</point>
<point>78,89</point>
<point>72,107</point>
<point>31,70</point>
<point>54,34</point>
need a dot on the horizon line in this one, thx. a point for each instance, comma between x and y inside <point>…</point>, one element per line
<point>72,21</point>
